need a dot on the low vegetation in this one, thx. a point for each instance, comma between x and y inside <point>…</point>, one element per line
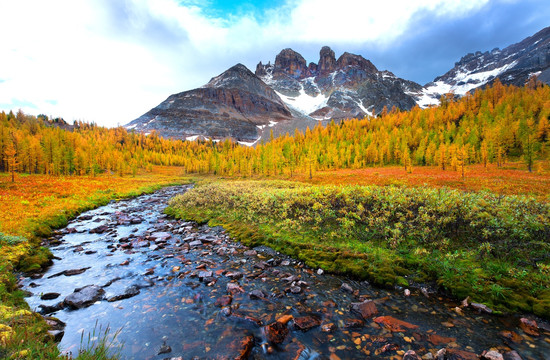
<point>490,247</point>
<point>31,208</point>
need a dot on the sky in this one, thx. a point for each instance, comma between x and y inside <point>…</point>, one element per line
<point>110,61</point>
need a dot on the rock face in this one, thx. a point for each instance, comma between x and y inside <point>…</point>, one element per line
<point>231,105</point>
<point>515,65</point>
<point>347,87</point>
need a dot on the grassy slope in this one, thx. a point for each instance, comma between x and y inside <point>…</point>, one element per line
<point>31,208</point>
<point>490,247</point>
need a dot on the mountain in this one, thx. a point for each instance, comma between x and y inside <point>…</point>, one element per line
<point>347,87</point>
<point>515,65</point>
<point>292,94</point>
<point>282,97</point>
<point>235,104</point>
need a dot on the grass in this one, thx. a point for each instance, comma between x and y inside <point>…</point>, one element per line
<point>31,208</point>
<point>490,247</point>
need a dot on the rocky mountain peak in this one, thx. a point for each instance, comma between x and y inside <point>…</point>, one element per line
<point>347,59</point>
<point>290,63</point>
<point>327,60</point>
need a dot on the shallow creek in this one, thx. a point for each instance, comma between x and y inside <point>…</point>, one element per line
<point>175,289</point>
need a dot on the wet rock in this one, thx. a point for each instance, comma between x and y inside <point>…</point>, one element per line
<point>233,288</point>
<point>291,278</point>
<point>346,288</point>
<point>276,332</point>
<point>71,272</point>
<point>411,355</point>
<point>366,309</point>
<point>164,349</point>
<point>205,275</point>
<point>511,336</point>
<point>393,324</point>
<point>353,323</point>
<point>223,301</point>
<point>439,340</point>
<point>49,296</point>
<point>160,236</point>
<point>481,308</point>
<point>304,323</point>
<point>128,293</point>
<point>285,263</point>
<point>235,275</point>
<point>257,294</point>
<point>491,355</point>
<point>529,326</point>
<point>512,355</point>
<point>99,230</point>
<point>407,292</point>
<point>328,327</point>
<point>84,297</point>
<point>250,253</point>
<point>195,243</point>
<point>48,309</point>
<point>236,347</point>
<point>57,335</point>
<point>295,289</point>
<point>425,292</point>
<point>54,323</point>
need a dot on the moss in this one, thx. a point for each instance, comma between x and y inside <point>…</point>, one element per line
<point>36,260</point>
<point>401,281</point>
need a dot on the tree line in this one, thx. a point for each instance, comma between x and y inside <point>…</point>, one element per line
<point>488,126</point>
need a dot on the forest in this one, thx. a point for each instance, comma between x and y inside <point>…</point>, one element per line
<point>489,126</point>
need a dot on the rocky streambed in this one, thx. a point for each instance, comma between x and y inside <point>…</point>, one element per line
<point>177,290</point>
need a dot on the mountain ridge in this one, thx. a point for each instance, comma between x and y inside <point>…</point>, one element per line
<point>292,94</point>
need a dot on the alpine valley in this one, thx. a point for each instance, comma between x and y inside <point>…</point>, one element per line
<point>291,94</point>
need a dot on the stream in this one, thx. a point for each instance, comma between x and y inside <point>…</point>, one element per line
<point>173,289</point>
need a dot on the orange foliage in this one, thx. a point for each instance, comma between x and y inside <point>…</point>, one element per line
<point>511,180</point>
<point>33,198</point>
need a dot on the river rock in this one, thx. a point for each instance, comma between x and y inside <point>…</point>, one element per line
<point>160,236</point>
<point>529,326</point>
<point>491,355</point>
<point>346,288</point>
<point>305,323</point>
<point>195,243</point>
<point>57,335</point>
<point>48,309</point>
<point>99,230</point>
<point>128,293</point>
<point>366,309</point>
<point>481,308</point>
<point>84,297</point>
<point>164,349</point>
<point>276,332</point>
<point>411,355</point>
<point>250,253</point>
<point>49,296</point>
<point>393,324</point>
<point>205,275</point>
<point>224,300</point>
<point>236,275</point>
<point>353,323</point>
<point>257,294</point>
<point>233,288</point>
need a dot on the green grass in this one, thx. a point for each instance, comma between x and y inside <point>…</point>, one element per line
<point>490,247</point>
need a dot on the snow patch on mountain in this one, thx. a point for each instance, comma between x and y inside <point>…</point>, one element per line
<point>305,103</point>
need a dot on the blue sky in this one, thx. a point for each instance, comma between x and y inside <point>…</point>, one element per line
<point>109,61</point>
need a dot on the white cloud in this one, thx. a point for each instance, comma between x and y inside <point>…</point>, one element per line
<point>110,61</point>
